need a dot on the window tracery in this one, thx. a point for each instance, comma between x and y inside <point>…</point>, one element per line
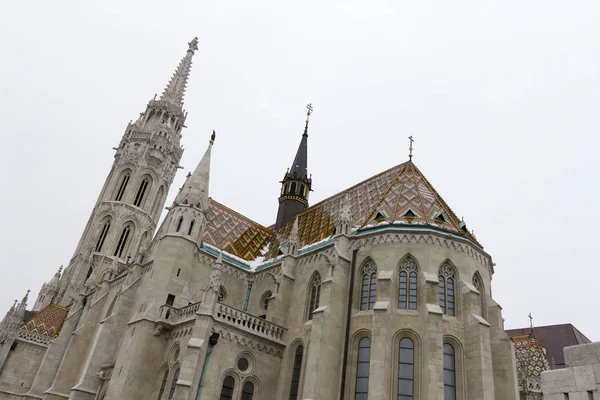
<point>407,284</point>
<point>369,285</point>
<point>446,279</point>
<point>315,294</point>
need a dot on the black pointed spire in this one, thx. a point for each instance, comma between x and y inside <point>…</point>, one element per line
<point>296,183</point>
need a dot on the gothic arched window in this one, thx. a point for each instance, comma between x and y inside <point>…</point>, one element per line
<point>361,391</point>
<point>478,284</point>
<point>179,223</point>
<point>103,234</point>
<point>449,372</point>
<point>125,176</point>
<point>227,388</point>
<point>163,384</point>
<point>406,369</point>
<point>140,196</point>
<point>297,368</point>
<point>222,295</point>
<point>315,294</point>
<point>173,384</point>
<point>191,228</point>
<point>446,289</point>
<point>407,284</point>
<point>248,391</point>
<point>293,188</point>
<point>264,300</point>
<point>369,285</point>
<point>123,243</point>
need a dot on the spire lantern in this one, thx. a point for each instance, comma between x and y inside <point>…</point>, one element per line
<point>297,183</point>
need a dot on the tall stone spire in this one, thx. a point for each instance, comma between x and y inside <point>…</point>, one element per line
<point>175,90</point>
<point>195,189</point>
<point>297,183</point>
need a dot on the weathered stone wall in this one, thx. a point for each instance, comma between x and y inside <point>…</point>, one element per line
<point>22,366</point>
<point>580,379</point>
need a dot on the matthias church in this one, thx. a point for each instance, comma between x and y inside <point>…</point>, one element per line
<point>377,292</point>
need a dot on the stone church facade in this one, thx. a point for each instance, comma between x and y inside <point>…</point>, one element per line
<point>377,292</point>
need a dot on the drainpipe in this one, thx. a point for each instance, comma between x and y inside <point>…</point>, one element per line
<point>250,282</point>
<point>348,312</point>
<point>214,338</point>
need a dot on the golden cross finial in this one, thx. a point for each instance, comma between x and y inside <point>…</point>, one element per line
<point>309,107</point>
<point>410,148</point>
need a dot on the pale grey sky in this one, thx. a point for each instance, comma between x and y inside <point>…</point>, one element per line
<point>502,99</point>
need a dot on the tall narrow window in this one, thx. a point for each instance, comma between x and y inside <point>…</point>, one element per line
<point>449,373</point>
<point>361,391</point>
<point>173,384</point>
<point>479,286</point>
<point>123,241</point>
<point>102,236</point>
<point>248,391</point>
<point>163,384</point>
<point>369,286</point>
<point>446,289</point>
<point>295,384</point>
<point>293,188</point>
<point>122,186</point>
<point>315,294</point>
<point>407,284</point>
<point>227,388</point>
<point>179,223</point>
<point>139,197</point>
<point>406,369</point>
<point>191,228</point>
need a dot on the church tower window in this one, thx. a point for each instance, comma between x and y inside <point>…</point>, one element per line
<point>122,186</point>
<point>173,384</point>
<point>449,372</point>
<point>179,223</point>
<point>248,391</point>
<point>293,188</point>
<point>163,384</point>
<point>123,242</point>
<point>478,284</point>
<point>315,294</point>
<point>446,289</point>
<point>139,197</point>
<point>407,284</point>
<point>361,391</point>
<point>406,366</point>
<point>227,388</point>
<point>192,222</point>
<point>103,234</point>
<point>369,285</point>
<point>295,384</point>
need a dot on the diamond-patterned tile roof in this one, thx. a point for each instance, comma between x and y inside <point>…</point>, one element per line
<point>400,195</point>
<point>48,321</point>
<point>234,233</point>
<point>530,356</point>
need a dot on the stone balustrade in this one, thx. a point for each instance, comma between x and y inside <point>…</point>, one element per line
<point>33,337</point>
<point>248,323</point>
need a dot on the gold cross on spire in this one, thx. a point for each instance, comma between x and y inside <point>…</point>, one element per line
<point>410,148</point>
<point>309,107</point>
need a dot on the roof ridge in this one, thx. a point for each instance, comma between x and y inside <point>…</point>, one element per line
<point>352,187</point>
<point>383,195</point>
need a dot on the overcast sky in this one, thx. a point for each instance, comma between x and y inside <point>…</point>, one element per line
<point>502,99</point>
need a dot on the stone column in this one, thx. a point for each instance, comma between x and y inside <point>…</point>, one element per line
<point>279,303</point>
<point>506,384</point>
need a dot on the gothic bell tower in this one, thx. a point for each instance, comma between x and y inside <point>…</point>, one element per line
<point>125,216</point>
<point>297,183</point>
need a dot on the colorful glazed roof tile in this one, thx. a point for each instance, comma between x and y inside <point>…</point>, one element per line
<point>400,195</point>
<point>554,338</point>
<point>48,321</point>
<point>530,355</point>
<point>234,233</point>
